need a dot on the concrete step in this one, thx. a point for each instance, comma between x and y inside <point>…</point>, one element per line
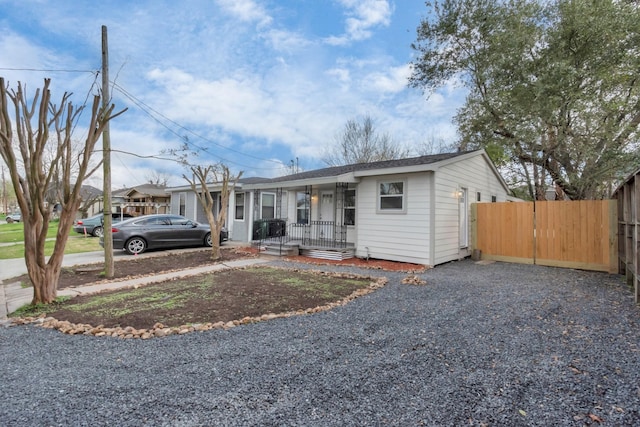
<point>278,250</point>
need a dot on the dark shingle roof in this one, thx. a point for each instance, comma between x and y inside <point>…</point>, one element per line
<point>384,164</point>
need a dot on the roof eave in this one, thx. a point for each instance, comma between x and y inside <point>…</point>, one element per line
<point>347,178</point>
<point>430,167</point>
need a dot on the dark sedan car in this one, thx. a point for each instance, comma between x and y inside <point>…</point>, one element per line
<point>93,224</point>
<point>160,231</point>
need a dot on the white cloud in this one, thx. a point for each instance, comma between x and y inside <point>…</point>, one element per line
<point>362,17</point>
<point>393,80</point>
<point>251,77</point>
<point>246,10</point>
<point>286,41</point>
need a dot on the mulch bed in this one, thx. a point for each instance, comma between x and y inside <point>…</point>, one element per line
<point>377,264</point>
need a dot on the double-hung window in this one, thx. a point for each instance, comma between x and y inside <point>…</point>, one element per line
<point>350,207</point>
<point>268,206</point>
<point>391,195</point>
<point>303,202</point>
<point>239,213</point>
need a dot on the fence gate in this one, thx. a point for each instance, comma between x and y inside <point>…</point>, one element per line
<point>575,234</point>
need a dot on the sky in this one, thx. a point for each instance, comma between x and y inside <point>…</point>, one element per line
<point>256,84</point>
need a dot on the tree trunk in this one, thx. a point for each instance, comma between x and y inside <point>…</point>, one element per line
<point>45,280</point>
<point>215,250</point>
<point>215,238</point>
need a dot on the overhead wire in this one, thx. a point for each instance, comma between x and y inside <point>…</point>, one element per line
<point>151,112</point>
<point>148,110</point>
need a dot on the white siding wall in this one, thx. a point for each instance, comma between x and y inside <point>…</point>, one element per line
<point>474,174</point>
<point>394,236</point>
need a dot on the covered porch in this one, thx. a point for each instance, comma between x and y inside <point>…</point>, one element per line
<point>316,239</point>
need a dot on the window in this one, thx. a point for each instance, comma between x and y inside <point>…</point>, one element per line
<point>268,206</point>
<point>350,207</point>
<point>303,203</point>
<point>239,215</point>
<point>161,220</point>
<point>183,204</point>
<point>391,196</point>
<point>478,197</point>
<point>494,199</point>
<point>176,220</point>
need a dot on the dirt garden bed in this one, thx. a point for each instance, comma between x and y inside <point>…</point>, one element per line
<point>219,300</point>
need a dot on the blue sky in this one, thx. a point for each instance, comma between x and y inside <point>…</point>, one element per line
<point>255,83</point>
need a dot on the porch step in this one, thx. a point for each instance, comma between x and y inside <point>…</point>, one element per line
<point>277,250</point>
<point>331,254</point>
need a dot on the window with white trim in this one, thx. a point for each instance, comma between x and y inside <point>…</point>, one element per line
<point>391,196</point>
<point>268,206</point>
<point>239,212</point>
<point>303,202</point>
<point>350,207</point>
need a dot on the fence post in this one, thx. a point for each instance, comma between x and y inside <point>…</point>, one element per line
<point>613,236</point>
<point>474,227</point>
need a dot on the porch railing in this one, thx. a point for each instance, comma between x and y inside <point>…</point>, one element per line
<point>317,233</point>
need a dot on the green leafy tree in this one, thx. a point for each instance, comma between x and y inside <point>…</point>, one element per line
<point>553,86</point>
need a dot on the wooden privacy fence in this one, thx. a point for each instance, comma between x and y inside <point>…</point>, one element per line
<point>575,234</point>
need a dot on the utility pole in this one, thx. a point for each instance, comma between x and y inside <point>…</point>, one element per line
<point>106,162</point>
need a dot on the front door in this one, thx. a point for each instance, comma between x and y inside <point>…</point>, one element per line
<point>326,206</point>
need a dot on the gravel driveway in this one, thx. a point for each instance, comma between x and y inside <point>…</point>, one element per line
<point>498,344</point>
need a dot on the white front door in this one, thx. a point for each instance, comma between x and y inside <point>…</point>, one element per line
<point>326,206</point>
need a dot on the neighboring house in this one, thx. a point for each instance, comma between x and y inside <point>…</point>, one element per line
<point>91,201</point>
<point>141,200</point>
<point>410,210</point>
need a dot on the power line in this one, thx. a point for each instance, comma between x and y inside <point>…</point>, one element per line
<point>45,70</point>
<point>148,109</point>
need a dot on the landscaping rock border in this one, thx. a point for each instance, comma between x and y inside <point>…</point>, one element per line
<point>160,331</point>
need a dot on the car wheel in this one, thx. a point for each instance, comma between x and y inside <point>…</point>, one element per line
<point>135,245</point>
<point>207,240</point>
<point>9,220</point>
<point>98,232</point>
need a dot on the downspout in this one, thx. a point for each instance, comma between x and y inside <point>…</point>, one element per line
<point>432,220</point>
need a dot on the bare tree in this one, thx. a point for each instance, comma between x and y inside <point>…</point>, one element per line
<point>434,145</point>
<point>203,180</point>
<point>89,198</point>
<point>159,178</point>
<point>8,198</point>
<point>360,143</point>
<point>33,123</point>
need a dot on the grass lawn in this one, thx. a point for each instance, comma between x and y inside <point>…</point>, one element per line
<point>14,233</point>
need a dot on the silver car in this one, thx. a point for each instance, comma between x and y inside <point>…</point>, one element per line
<point>160,231</point>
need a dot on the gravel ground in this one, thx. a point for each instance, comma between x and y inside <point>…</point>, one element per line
<point>499,344</point>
